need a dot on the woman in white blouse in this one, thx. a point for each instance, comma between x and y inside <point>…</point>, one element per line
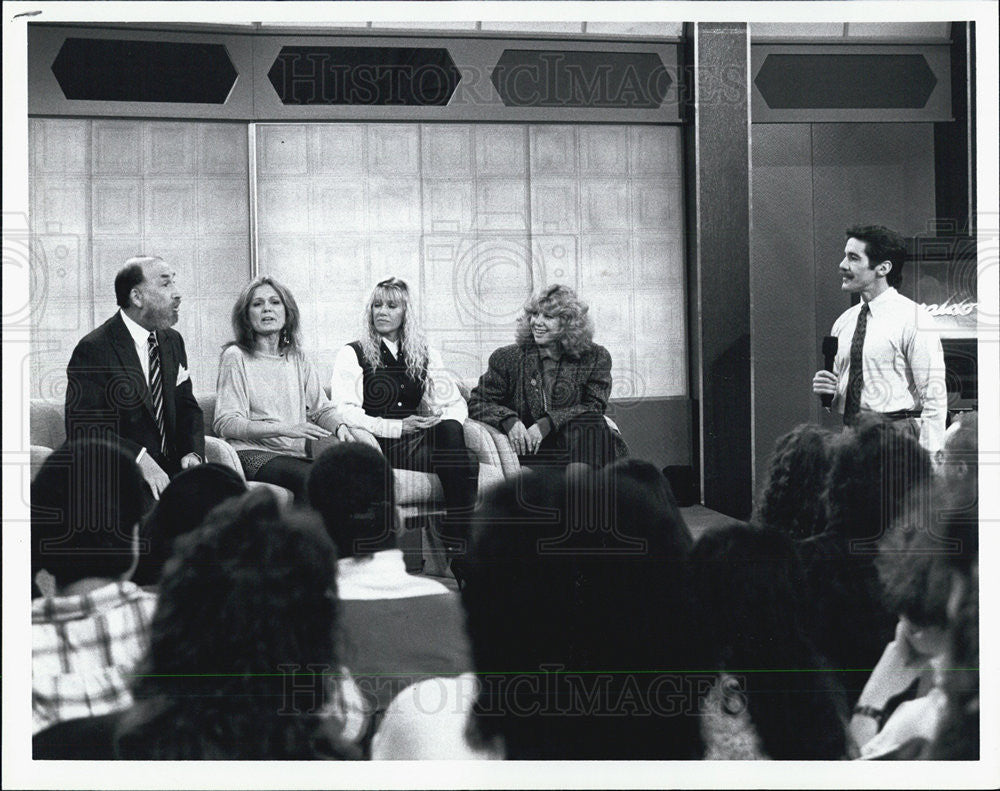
<point>392,384</point>
<point>269,397</point>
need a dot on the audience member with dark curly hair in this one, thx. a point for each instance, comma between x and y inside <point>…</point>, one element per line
<point>572,596</point>
<point>931,663</point>
<point>774,696</point>
<point>790,499</point>
<point>875,472</point>
<point>181,508</point>
<point>243,631</point>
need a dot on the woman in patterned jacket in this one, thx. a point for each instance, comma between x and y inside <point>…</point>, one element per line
<point>548,391</point>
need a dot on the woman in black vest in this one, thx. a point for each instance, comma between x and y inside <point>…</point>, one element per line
<point>392,384</point>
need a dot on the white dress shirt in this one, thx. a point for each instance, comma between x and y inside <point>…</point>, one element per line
<point>347,392</point>
<point>140,335</point>
<point>902,362</point>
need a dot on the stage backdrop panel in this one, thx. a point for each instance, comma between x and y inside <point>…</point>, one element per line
<point>104,190</point>
<point>475,217</point>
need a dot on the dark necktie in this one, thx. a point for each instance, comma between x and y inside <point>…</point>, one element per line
<point>856,380</point>
<point>156,388</point>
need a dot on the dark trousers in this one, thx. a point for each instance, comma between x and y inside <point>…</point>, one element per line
<point>171,466</point>
<point>441,450</point>
<point>585,439</point>
<point>288,471</point>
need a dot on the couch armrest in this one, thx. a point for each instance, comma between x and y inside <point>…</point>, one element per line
<point>365,436</point>
<point>221,452</point>
<point>481,442</point>
<point>316,447</point>
<point>505,455</point>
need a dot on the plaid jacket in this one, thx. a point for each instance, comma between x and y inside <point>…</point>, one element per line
<point>83,649</point>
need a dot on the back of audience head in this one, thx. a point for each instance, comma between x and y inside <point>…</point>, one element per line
<point>244,602</point>
<point>958,738</point>
<point>958,465</point>
<point>959,457</point>
<point>562,605</point>
<point>874,472</point>
<point>181,508</point>
<point>352,487</point>
<point>747,588</point>
<point>86,502</point>
<point>639,484</point>
<point>791,498</point>
<point>933,533</point>
<point>916,583</point>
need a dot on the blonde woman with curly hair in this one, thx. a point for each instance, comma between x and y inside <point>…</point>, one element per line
<point>548,391</point>
<point>391,383</point>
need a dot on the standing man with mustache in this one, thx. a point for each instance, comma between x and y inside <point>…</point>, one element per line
<point>128,380</point>
<point>889,358</point>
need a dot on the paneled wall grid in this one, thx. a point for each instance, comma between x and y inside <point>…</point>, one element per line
<point>474,216</point>
<point>103,191</point>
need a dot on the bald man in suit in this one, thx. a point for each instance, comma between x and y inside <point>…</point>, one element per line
<point>128,379</point>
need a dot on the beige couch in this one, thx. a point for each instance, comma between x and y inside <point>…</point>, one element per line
<point>48,431</point>
<point>417,493</point>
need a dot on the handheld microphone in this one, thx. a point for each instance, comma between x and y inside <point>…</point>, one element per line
<point>829,354</point>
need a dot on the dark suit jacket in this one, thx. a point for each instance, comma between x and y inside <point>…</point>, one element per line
<point>512,387</point>
<point>107,390</point>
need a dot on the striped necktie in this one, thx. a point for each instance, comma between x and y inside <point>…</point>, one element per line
<point>856,380</point>
<point>156,388</point>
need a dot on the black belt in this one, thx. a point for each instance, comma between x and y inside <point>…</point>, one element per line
<point>902,414</point>
<point>899,414</point>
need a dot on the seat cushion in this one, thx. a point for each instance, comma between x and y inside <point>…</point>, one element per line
<point>424,488</point>
<point>417,488</point>
<point>282,495</point>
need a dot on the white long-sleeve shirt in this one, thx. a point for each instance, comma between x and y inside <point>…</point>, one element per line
<point>347,393</point>
<point>902,362</point>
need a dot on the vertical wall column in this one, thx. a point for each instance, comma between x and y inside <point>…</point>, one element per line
<point>720,266</point>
